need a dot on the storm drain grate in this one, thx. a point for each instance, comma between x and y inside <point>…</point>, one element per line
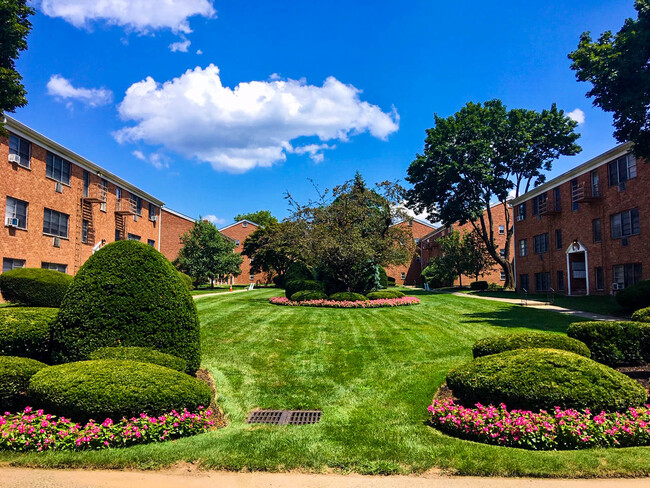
<point>284,417</point>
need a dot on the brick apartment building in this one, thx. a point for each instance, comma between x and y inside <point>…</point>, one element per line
<point>410,274</point>
<point>238,232</point>
<point>586,231</point>
<point>174,225</point>
<point>430,249</point>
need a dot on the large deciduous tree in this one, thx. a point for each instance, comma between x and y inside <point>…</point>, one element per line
<point>272,248</point>
<point>207,253</point>
<point>477,257</point>
<point>476,159</point>
<point>618,67</point>
<point>261,217</point>
<point>14,28</point>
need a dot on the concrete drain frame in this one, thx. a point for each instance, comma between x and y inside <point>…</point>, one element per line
<point>284,417</point>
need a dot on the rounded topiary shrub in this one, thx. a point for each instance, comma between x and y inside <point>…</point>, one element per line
<point>642,315</point>
<point>348,296</point>
<point>636,296</point>
<point>142,354</point>
<point>294,286</point>
<point>15,374</point>
<point>114,389</point>
<point>535,379</point>
<point>497,344</point>
<point>304,295</point>
<point>127,294</point>
<point>189,282</point>
<point>479,285</point>
<point>25,332</point>
<point>614,343</point>
<point>384,294</point>
<point>34,287</point>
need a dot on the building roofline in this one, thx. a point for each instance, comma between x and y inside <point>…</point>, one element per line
<point>581,169</point>
<point>28,133</point>
<point>178,214</point>
<point>238,222</point>
<point>423,222</point>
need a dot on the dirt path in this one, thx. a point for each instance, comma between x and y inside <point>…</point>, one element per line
<point>28,478</point>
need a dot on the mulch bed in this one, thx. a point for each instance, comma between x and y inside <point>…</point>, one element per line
<point>639,373</point>
<point>218,416</point>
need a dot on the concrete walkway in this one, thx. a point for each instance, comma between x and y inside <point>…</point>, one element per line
<point>37,478</point>
<point>543,306</point>
<point>239,290</point>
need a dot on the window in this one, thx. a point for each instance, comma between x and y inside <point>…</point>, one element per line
<point>8,264</point>
<point>403,275</point>
<point>600,278</point>
<point>503,276</point>
<point>138,205</point>
<point>502,253</point>
<point>252,277</point>
<point>523,282</point>
<point>521,211</point>
<point>20,147</point>
<point>61,268</point>
<point>595,184</point>
<point>627,274</point>
<point>84,231</point>
<point>523,247</point>
<point>57,168</point>
<point>542,281</point>
<point>574,188</point>
<point>133,237</point>
<point>104,185</point>
<point>86,182</point>
<point>558,239</point>
<point>118,235</point>
<point>502,230</point>
<point>558,199</point>
<point>152,211</point>
<point>560,280</point>
<point>541,243</point>
<point>244,224</point>
<point>55,223</point>
<point>597,231</point>
<point>621,170</point>
<point>237,243</point>
<point>151,242</point>
<point>118,193</point>
<point>625,223</point>
<point>539,202</point>
<point>17,209</point>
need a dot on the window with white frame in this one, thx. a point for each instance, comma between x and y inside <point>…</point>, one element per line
<point>133,237</point>
<point>523,247</point>
<point>237,243</point>
<point>403,275</point>
<point>20,147</point>
<point>252,277</point>
<point>541,243</point>
<point>622,169</point>
<point>502,253</point>
<point>9,263</point>
<point>16,209</point>
<point>57,168</point>
<point>503,276</point>
<point>502,230</point>
<point>244,224</point>
<point>55,223</point>
<point>62,268</point>
<point>84,231</point>
<point>625,223</point>
<point>627,274</point>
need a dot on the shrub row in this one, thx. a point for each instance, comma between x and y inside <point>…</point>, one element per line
<point>509,342</point>
<point>294,286</point>
<point>15,374</point>
<point>642,315</point>
<point>348,296</point>
<point>636,296</point>
<point>384,294</point>
<point>479,285</point>
<point>34,287</point>
<point>25,332</point>
<point>141,354</point>
<point>304,295</point>
<point>614,343</point>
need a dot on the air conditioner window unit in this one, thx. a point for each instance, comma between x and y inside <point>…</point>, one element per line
<point>14,158</point>
<point>11,222</point>
<point>58,187</point>
<point>153,218</point>
<point>57,242</point>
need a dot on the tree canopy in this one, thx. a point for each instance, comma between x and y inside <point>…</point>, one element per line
<point>261,217</point>
<point>272,248</point>
<point>480,156</point>
<point>618,67</point>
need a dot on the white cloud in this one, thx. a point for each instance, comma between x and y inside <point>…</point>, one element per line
<point>157,159</point>
<point>577,115</point>
<point>141,16</point>
<point>314,151</point>
<point>199,52</point>
<point>180,46</point>
<point>250,125</point>
<point>421,216</point>
<point>218,221</point>
<point>62,89</point>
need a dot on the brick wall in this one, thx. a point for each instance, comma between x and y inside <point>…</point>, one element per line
<point>173,227</point>
<point>410,274</point>
<point>239,232</point>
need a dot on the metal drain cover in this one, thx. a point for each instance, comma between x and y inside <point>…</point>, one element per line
<point>284,417</point>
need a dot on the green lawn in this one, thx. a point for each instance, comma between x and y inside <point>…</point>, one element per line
<point>372,372</point>
<point>204,289</point>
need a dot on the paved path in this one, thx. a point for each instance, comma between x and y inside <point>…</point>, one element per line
<point>203,295</point>
<point>28,478</point>
<point>543,306</point>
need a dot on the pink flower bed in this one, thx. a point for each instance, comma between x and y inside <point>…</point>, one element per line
<point>382,302</point>
<point>559,429</point>
<point>38,431</point>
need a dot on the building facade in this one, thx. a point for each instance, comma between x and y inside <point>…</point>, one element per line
<point>411,273</point>
<point>586,231</point>
<point>238,232</point>
<point>173,225</point>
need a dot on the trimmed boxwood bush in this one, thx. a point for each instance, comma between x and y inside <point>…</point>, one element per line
<point>642,315</point>
<point>384,294</point>
<point>348,296</point>
<point>127,294</point>
<point>509,342</point>
<point>142,354</point>
<point>301,296</point>
<point>34,287</point>
<point>114,389</point>
<point>636,296</point>
<point>25,332</point>
<point>294,286</point>
<point>534,379</point>
<point>479,285</point>
<point>189,282</point>
<point>614,343</point>
<point>15,374</point>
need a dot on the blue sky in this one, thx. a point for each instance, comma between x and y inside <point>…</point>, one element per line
<point>367,77</point>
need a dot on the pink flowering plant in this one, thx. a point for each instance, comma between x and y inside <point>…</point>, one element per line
<point>382,302</point>
<point>37,431</point>
<point>554,430</point>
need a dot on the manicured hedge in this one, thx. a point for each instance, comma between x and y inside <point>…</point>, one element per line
<point>294,286</point>
<point>15,374</point>
<point>509,342</point>
<point>127,294</point>
<point>636,296</point>
<point>34,287</point>
<point>189,282</point>
<point>301,296</point>
<point>479,285</point>
<point>142,354</point>
<point>348,296</point>
<point>537,379</point>
<point>114,389</point>
<point>614,343</point>
<point>378,295</point>
<point>642,315</point>
<point>25,332</point>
